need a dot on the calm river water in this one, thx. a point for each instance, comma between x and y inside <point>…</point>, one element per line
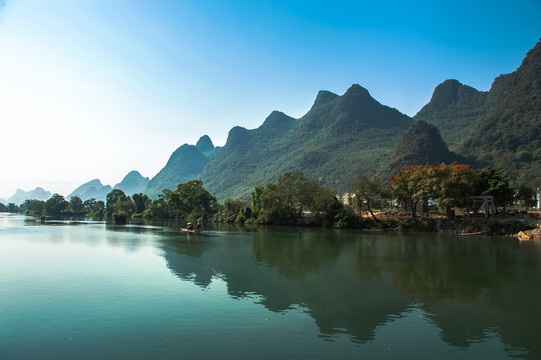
<point>97,291</point>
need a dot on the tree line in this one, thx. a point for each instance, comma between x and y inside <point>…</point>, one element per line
<point>296,200</point>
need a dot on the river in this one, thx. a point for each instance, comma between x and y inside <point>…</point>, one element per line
<point>92,290</point>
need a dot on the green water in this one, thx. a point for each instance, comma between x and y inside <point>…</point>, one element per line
<point>97,291</point>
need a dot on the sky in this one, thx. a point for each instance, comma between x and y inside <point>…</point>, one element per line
<point>96,88</point>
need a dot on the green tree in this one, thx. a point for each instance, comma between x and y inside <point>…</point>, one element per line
<point>3,208</point>
<point>34,207</point>
<point>367,195</point>
<point>256,200</point>
<point>493,181</point>
<point>192,201</point>
<point>12,208</point>
<point>56,205</point>
<point>325,206</point>
<point>89,205</point>
<point>526,197</point>
<point>158,208</point>
<point>292,197</point>
<point>298,193</point>
<point>76,205</point>
<point>414,183</point>
<point>457,183</point>
<point>272,205</point>
<point>114,200</point>
<point>94,209</point>
<point>141,202</point>
<point>230,210</point>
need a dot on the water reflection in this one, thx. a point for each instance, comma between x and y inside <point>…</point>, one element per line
<point>355,283</point>
<point>467,293</point>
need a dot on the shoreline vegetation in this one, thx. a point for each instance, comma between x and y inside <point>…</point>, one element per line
<point>429,198</point>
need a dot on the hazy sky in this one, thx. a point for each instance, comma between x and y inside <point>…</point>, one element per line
<point>97,88</point>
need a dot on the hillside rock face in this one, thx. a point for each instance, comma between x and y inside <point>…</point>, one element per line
<point>510,135</point>
<point>338,138</point>
<point>133,183</point>
<point>92,189</point>
<point>185,164</point>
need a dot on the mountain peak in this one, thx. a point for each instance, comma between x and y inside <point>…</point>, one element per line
<point>204,144</point>
<point>324,96</point>
<point>276,120</point>
<point>357,89</point>
<point>133,183</point>
<point>450,92</point>
<point>94,182</point>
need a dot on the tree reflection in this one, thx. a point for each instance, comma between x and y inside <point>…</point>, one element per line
<point>352,283</point>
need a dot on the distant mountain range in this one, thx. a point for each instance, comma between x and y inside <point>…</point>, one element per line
<point>20,195</point>
<point>342,136</point>
<point>132,183</point>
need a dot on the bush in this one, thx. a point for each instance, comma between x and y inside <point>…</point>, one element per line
<point>120,218</point>
<point>509,227</point>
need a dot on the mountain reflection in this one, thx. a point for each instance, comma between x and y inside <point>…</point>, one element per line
<point>353,283</point>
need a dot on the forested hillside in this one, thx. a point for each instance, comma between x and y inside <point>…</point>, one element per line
<point>343,136</point>
<point>510,135</point>
<point>340,137</point>
<point>185,164</point>
<point>421,144</point>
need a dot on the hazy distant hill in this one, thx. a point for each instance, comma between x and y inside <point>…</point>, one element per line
<point>510,135</point>
<point>92,189</point>
<point>133,183</point>
<point>337,139</point>
<point>185,164</point>
<point>20,195</point>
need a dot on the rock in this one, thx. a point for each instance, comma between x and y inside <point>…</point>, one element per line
<point>530,234</point>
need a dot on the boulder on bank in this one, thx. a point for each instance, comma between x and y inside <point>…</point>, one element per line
<point>534,234</point>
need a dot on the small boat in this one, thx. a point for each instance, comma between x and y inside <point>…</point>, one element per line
<point>190,230</point>
<point>471,233</point>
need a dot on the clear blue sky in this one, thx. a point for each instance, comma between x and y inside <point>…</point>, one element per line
<point>96,88</point>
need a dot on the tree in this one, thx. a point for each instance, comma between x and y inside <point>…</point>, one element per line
<point>256,200</point>
<point>115,201</point>
<point>233,210</point>
<point>298,193</point>
<point>325,206</point>
<point>76,205</point>
<point>141,202</point>
<point>414,183</point>
<point>272,205</point>
<point>526,197</point>
<point>34,207</point>
<point>292,196</point>
<point>367,194</point>
<point>158,208</point>
<point>3,208</point>
<point>56,205</point>
<point>89,205</point>
<point>12,208</point>
<point>450,185</point>
<point>192,201</point>
<point>94,209</point>
<point>494,182</point>
<point>457,183</point>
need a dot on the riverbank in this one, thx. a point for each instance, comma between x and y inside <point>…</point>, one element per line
<point>510,225</point>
